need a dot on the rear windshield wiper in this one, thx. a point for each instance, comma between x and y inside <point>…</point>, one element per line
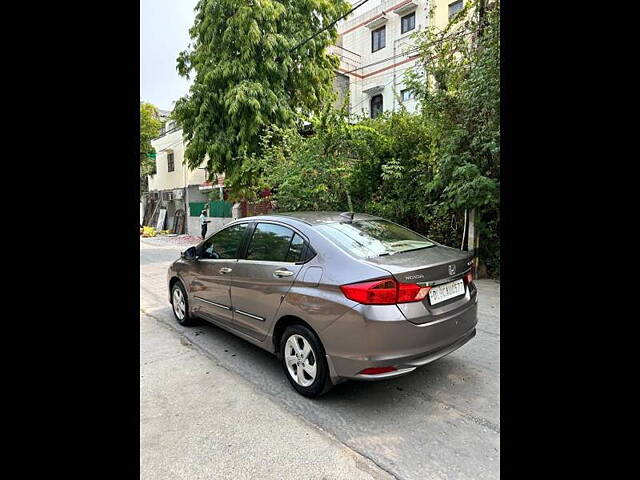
<point>414,249</point>
<point>402,251</point>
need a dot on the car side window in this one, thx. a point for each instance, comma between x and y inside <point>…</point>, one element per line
<point>274,243</point>
<point>225,243</point>
<point>295,249</point>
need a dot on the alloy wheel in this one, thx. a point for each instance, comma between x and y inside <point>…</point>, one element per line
<point>179,306</point>
<point>300,360</point>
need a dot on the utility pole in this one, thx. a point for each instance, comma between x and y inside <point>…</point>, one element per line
<point>186,197</point>
<point>471,239</point>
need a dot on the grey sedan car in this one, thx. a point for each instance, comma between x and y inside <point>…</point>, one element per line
<point>334,296</point>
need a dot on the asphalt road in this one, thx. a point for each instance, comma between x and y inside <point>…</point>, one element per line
<point>440,422</point>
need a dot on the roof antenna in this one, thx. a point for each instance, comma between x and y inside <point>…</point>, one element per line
<point>350,213</point>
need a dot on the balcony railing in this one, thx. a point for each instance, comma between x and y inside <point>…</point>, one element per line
<point>164,131</point>
<point>348,59</point>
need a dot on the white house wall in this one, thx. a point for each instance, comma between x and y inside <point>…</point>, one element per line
<point>389,73</point>
<point>181,175</point>
<point>354,49</point>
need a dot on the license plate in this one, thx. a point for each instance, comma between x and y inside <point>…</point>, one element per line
<point>446,291</point>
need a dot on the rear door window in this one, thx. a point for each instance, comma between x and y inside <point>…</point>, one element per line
<point>274,243</point>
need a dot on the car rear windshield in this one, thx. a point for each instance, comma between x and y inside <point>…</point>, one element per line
<point>372,238</point>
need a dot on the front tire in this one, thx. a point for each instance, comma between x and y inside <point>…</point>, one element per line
<point>304,362</point>
<point>180,304</point>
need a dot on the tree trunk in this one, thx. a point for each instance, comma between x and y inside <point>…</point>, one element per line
<point>481,17</point>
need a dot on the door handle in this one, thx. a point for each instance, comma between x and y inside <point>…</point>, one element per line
<point>224,270</point>
<point>282,273</point>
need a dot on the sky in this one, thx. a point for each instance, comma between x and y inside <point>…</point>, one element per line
<point>164,33</point>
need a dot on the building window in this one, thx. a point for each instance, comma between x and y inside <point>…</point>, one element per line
<point>378,39</point>
<point>376,105</point>
<point>454,8</point>
<point>170,165</point>
<point>408,22</point>
<point>406,94</point>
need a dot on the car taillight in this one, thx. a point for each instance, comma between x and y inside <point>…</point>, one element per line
<point>468,277</point>
<point>379,292</point>
<point>384,292</point>
<point>410,292</point>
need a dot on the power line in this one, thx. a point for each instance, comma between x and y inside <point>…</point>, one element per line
<point>382,61</point>
<point>172,144</point>
<point>327,27</point>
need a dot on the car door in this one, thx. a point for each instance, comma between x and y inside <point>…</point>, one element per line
<point>212,271</point>
<point>264,275</point>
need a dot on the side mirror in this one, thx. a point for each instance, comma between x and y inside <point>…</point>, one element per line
<point>189,254</point>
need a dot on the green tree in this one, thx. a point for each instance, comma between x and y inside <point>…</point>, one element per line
<point>247,75</point>
<point>149,129</point>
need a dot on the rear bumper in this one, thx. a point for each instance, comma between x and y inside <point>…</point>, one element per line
<point>410,365</point>
<point>360,340</point>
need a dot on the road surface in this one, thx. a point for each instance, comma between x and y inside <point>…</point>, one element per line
<point>440,422</point>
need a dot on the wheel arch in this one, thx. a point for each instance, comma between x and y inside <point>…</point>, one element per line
<point>282,324</point>
<point>175,278</point>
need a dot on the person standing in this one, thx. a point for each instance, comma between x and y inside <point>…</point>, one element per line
<point>203,223</point>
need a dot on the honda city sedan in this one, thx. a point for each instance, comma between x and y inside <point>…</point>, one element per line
<point>334,296</point>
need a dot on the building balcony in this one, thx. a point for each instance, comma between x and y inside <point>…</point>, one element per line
<point>349,60</point>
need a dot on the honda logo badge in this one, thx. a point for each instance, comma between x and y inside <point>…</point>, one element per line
<point>452,269</point>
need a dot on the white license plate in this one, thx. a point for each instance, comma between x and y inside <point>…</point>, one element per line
<point>446,291</point>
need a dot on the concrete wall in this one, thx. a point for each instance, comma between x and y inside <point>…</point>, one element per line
<point>215,225</point>
<point>195,195</point>
<point>341,85</point>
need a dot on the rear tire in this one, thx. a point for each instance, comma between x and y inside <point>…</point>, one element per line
<point>304,361</point>
<point>180,304</point>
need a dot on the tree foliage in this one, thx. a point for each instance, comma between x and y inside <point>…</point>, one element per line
<point>378,166</point>
<point>457,83</point>
<point>149,129</point>
<point>246,76</point>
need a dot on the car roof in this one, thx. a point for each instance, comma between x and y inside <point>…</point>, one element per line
<point>314,218</point>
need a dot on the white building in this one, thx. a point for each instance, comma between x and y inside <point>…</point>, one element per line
<point>172,173</point>
<point>176,186</point>
<point>376,50</point>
